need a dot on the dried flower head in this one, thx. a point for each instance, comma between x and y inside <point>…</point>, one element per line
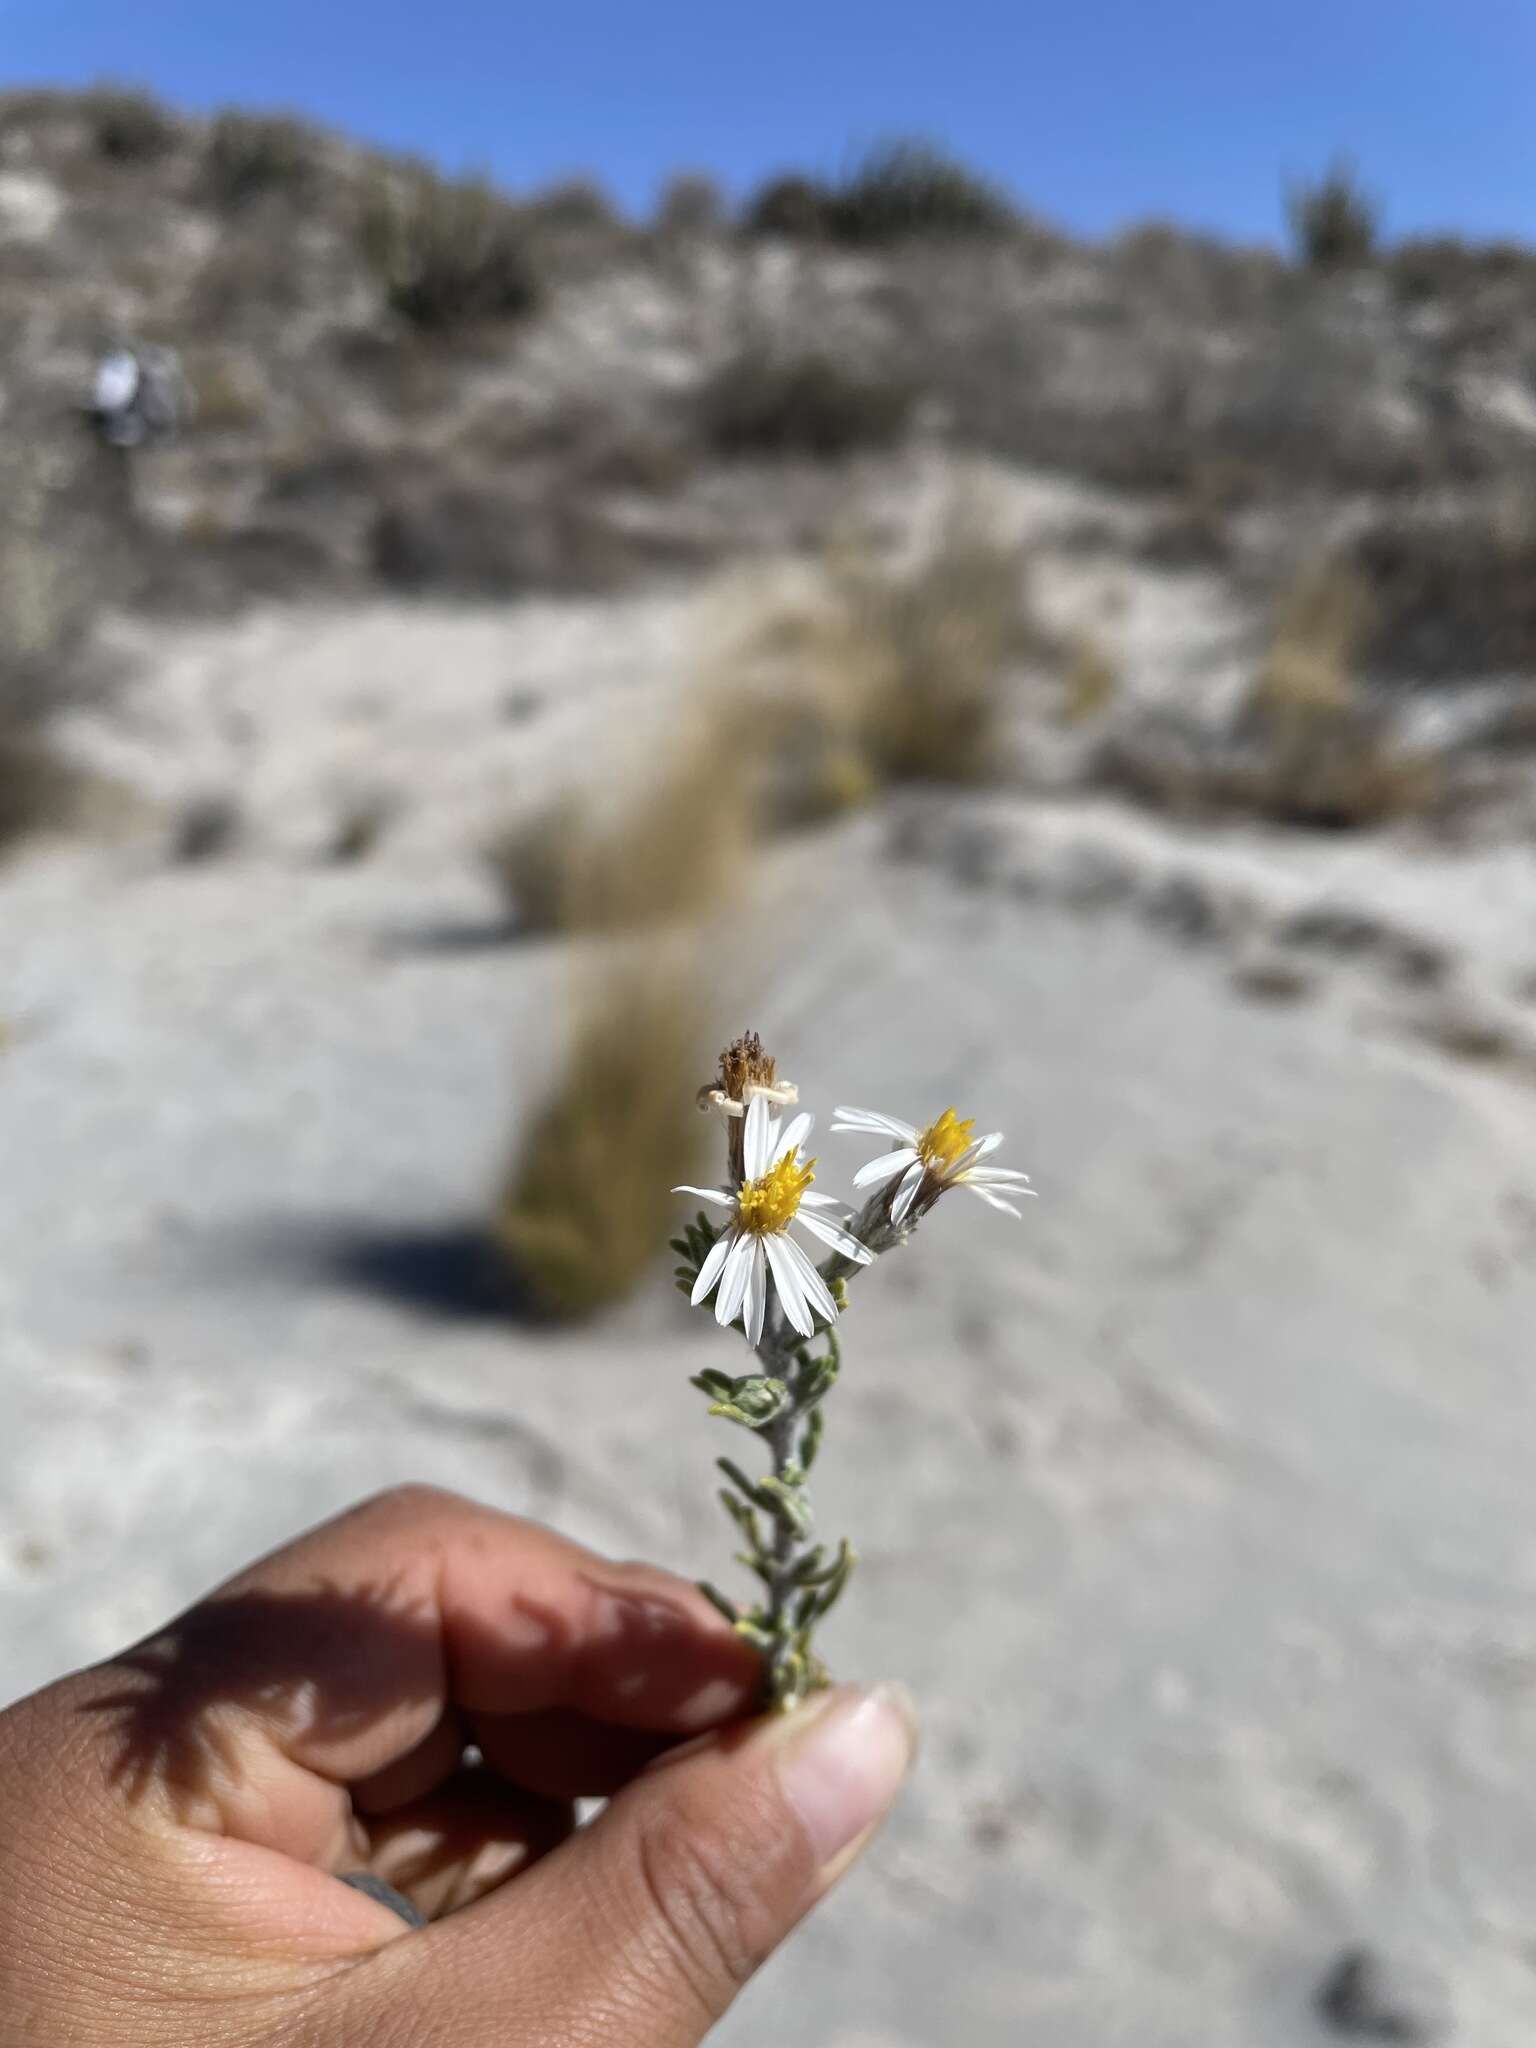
<point>746,1070</point>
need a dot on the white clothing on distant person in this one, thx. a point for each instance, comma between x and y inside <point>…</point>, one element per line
<point>117,382</point>
<point>139,395</point>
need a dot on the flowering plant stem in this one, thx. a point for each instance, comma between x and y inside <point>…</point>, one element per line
<point>782,1403</point>
<point>766,1286</point>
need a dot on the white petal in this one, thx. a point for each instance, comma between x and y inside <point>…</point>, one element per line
<point>839,1240</point>
<point>1004,1176</point>
<point>996,1201</point>
<point>973,1154</point>
<point>786,1280</point>
<point>733,1285</point>
<point>710,1271</point>
<point>756,1300</point>
<point>794,1135</point>
<point>717,1195</point>
<point>755,1139</point>
<point>907,1192</point>
<point>871,1120</point>
<point>811,1281</point>
<point>813,1201</point>
<point>886,1167</point>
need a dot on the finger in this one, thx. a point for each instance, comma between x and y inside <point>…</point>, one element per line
<point>463,1840</point>
<point>340,1654</point>
<point>644,1926</point>
<point>565,1755</point>
<point>437,1757</point>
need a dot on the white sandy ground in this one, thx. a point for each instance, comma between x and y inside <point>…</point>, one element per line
<point>1196,1510</point>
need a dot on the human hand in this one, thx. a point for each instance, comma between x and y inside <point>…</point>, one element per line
<point>173,1823</point>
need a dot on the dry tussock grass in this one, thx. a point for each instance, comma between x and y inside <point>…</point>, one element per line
<point>915,661</point>
<point>1309,748</point>
<point>44,620</point>
<point>1326,757</point>
<point>449,253</point>
<point>587,1206</point>
<point>660,851</point>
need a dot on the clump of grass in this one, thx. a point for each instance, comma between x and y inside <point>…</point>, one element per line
<point>1333,219</point>
<point>659,853</point>
<point>1091,681</point>
<point>925,653</point>
<point>1326,757</point>
<point>586,1206</point>
<point>248,155</point>
<point>128,126</point>
<point>45,618</point>
<point>448,252</point>
<point>766,402</point>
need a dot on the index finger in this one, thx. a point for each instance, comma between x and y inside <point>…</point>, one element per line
<point>348,1646</point>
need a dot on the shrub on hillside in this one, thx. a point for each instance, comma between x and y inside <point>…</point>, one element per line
<point>1453,594</point>
<point>251,154</point>
<point>761,402</point>
<point>128,126</point>
<point>447,252</point>
<point>1333,219</point>
<point>797,207</point>
<point>928,652</point>
<point>905,189</point>
<point>575,206</point>
<point>896,192</point>
<point>691,204</point>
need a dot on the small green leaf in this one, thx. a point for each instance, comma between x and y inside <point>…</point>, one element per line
<point>810,1438</point>
<point>738,1478</point>
<point>821,1574</point>
<point>718,1601</point>
<point>788,1504</point>
<point>744,1518</point>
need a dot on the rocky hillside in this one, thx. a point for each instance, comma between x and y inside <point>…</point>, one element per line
<point>440,387</point>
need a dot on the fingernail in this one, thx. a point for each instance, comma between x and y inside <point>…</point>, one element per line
<point>842,1762</point>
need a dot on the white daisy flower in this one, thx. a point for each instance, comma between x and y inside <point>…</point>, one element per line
<point>926,1163</point>
<point>755,1246</point>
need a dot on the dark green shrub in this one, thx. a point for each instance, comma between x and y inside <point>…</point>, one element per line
<point>801,208</point>
<point>905,189</point>
<point>447,252</point>
<point>760,403</point>
<point>896,192</point>
<point>250,154</point>
<point>1333,220</point>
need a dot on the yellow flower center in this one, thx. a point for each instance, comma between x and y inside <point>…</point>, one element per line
<point>767,1205</point>
<point>944,1141</point>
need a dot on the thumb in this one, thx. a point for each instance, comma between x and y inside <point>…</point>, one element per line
<point>644,1926</point>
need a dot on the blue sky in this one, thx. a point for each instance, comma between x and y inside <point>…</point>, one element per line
<point>1094,114</point>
